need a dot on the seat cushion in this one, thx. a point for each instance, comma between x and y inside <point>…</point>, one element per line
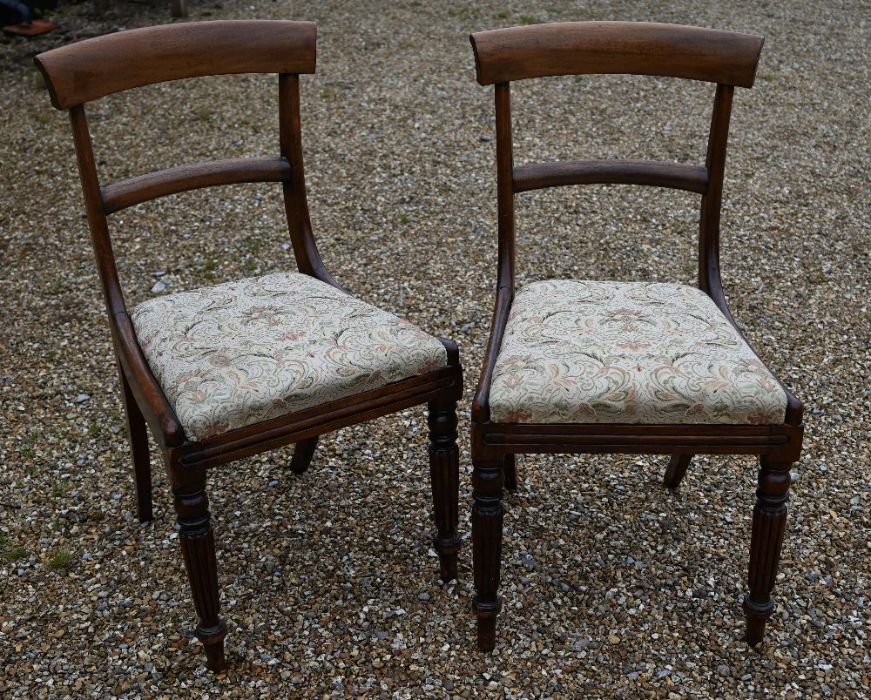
<point>247,351</point>
<point>578,351</point>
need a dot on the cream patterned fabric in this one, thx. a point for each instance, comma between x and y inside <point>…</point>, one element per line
<point>243,352</point>
<point>633,352</point>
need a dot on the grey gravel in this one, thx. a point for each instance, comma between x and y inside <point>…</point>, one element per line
<point>322,574</point>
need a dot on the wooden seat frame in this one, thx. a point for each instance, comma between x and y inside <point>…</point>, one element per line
<point>578,48</point>
<point>97,67</point>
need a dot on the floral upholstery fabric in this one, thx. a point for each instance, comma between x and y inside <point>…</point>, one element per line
<point>614,352</point>
<point>247,351</point>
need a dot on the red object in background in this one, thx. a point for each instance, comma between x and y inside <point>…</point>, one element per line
<point>34,28</point>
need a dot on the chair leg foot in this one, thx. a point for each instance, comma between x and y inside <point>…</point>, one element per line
<point>138,435</point>
<point>198,549</point>
<point>676,470</point>
<point>487,515</point>
<point>215,659</point>
<point>444,467</point>
<point>509,466</point>
<point>756,617</point>
<point>487,633</point>
<point>302,455</point>
<point>769,525</point>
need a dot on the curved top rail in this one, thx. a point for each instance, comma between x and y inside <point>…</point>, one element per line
<point>639,48</point>
<point>97,67</point>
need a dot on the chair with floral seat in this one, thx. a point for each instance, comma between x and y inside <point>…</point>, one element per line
<point>232,370</point>
<point>578,366</point>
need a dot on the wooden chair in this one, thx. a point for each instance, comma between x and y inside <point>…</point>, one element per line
<point>608,367</point>
<point>230,371</point>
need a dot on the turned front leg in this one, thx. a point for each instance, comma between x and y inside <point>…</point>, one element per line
<point>769,523</point>
<point>444,467</point>
<point>198,549</point>
<point>487,481</point>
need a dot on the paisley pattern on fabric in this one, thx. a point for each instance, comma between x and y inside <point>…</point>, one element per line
<point>578,351</point>
<point>235,354</point>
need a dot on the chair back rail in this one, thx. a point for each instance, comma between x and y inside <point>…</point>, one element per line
<point>676,176</point>
<point>142,188</point>
<point>640,48</point>
<point>113,63</point>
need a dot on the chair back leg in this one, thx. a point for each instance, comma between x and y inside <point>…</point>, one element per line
<point>302,455</point>
<point>509,468</point>
<point>676,470</point>
<point>137,432</point>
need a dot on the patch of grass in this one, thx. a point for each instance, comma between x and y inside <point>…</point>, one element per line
<point>404,218</point>
<point>16,553</point>
<point>93,429</point>
<point>527,19</point>
<point>43,117</point>
<point>203,113</point>
<point>250,265</point>
<point>209,269</point>
<point>503,14</point>
<point>39,80</point>
<point>10,553</point>
<point>61,559</point>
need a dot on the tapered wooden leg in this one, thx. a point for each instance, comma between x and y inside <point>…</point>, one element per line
<point>198,548</point>
<point>444,469</point>
<point>487,480</point>
<point>302,455</point>
<point>137,432</point>
<point>509,467</point>
<point>769,523</point>
<point>676,470</point>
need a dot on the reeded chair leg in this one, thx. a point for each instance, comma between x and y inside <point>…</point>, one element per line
<point>444,469</point>
<point>487,512</point>
<point>509,467</point>
<point>676,470</point>
<point>769,523</point>
<point>302,455</point>
<point>198,549</point>
<point>137,432</point>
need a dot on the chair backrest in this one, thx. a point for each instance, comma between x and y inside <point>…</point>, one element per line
<point>577,48</point>
<point>94,68</point>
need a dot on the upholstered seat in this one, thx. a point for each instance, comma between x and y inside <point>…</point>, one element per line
<point>235,354</point>
<point>614,352</point>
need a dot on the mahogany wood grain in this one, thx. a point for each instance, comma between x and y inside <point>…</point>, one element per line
<point>144,188</point>
<point>727,59</point>
<point>94,68</point>
<point>692,178</point>
<point>639,48</point>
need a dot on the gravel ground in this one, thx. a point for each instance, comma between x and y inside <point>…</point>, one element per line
<point>613,587</point>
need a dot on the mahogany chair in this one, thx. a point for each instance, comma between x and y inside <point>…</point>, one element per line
<point>623,367</point>
<point>229,371</point>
